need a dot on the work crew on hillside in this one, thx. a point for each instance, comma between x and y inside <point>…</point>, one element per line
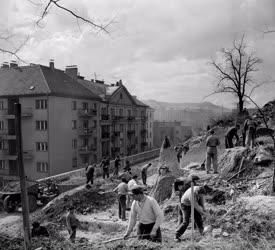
<point>180,187</point>
<point>72,224</point>
<point>199,209</point>
<point>212,142</point>
<point>122,190</point>
<point>230,134</point>
<point>144,173</point>
<point>149,214</point>
<point>250,132</point>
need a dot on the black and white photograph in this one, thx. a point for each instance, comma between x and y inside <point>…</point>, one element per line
<point>137,124</point>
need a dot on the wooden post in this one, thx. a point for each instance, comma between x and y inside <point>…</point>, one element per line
<point>24,193</point>
<point>192,213</point>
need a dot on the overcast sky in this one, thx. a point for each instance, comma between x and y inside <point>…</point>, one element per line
<point>160,49</point>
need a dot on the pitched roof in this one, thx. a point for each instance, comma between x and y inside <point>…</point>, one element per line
<point>40,80</point>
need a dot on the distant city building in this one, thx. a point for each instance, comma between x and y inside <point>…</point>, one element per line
<point>67,121</point>
<point>176,131</point>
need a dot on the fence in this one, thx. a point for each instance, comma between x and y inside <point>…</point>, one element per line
<point>134,159</point>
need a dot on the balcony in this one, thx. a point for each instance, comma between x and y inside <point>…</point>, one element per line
<point>87,149</point>
<point>86,131</point>
<point>8,114</point>
<point>144,118</point>
<point>27,154</point>
<point>105,117</point>
<point>6,155</point>
<point>131,118</point>
<point>7,134</point>
<point>118,118</point>
<point>26,113</point>
<point>87,112</point>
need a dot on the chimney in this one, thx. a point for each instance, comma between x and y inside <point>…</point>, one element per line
<point>71,71</point>
<point>13,64</point>
<point>5,65</point>
<point>51,64</point>
<point>119,83</point>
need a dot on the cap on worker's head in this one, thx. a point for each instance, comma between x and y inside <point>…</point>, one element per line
<point>137,190</point>
<point>193,177</point>
<point>212,131</point>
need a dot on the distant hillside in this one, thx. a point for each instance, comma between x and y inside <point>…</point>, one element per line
<point>186,106</point>
<point>196,115</point>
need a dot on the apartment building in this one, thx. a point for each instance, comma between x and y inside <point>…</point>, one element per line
<point>66,120</point>
<point>176,131</point>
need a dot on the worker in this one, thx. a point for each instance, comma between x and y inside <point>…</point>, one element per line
<point>212,142</point>
<point>250,132</point>
<point>72,224</point>
<point>166,143</point>
<point>90,169</point>
<point>122,190</point>
<point>131,184</point>
<point>199,209</point>
<point>180,187</point>
<point>117,164</point>
<point>149,214</point>
<point>144,173</point>
<point>105,168</point>
<point>231,132</point>
<point>38,230</point>
<point>127,167</point>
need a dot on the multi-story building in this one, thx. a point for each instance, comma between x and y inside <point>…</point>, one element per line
<point>176,131</point>
<point>66,120</point>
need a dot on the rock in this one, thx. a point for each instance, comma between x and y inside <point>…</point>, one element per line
<point>225,234</point>
<point>216,232</point>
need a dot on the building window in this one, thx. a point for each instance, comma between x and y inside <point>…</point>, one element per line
<point>41,146</point>
<point>41,125</point>
<point>121,127</point>
<point>85,142</point>
<point>85,105</point>
<point>73,105</point>
<point>1,105</point>
<point>150,135</point>
<point>3,165</point>
<point>2,145</point>
<point>94,124</point>
<point>1,125</point>
<point>74,124</point>
<point>42,167</point>
<point>74,162</point>
<point>120,96</point>
<point>74,143</point>
<point>41,104</point>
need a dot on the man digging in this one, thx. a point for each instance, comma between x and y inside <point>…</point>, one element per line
<point>149,214</point>
<point>199,209</point>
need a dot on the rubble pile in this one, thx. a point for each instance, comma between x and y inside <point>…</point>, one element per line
<point>239,219</point>
<point>84,200</point>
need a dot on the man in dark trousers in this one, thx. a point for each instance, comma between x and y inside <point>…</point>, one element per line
<point>199,209</point>
<point>180,187</point>
<point>105,167</point>
<point>117,164</point>
<point>212,142</point>
<point>250,132</point>
<point>122,190</point>
<point>90,169</point>
<point>231,132</point>
<point>72,224</point>
<point>38,230</point>
<point>144,173</point>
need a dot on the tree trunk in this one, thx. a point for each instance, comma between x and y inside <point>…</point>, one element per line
<point>240,105</point>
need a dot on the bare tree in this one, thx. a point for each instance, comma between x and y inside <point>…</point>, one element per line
<point>235,72</point>
<point>46,6</point>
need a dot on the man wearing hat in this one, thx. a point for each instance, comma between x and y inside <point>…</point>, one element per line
<point>149,213</point>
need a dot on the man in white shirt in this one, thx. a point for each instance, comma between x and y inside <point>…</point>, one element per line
<point>131,184</point>
<point>149,214</point>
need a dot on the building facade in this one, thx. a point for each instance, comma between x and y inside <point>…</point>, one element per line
<point>66,120</point>
<point>177,132</point>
